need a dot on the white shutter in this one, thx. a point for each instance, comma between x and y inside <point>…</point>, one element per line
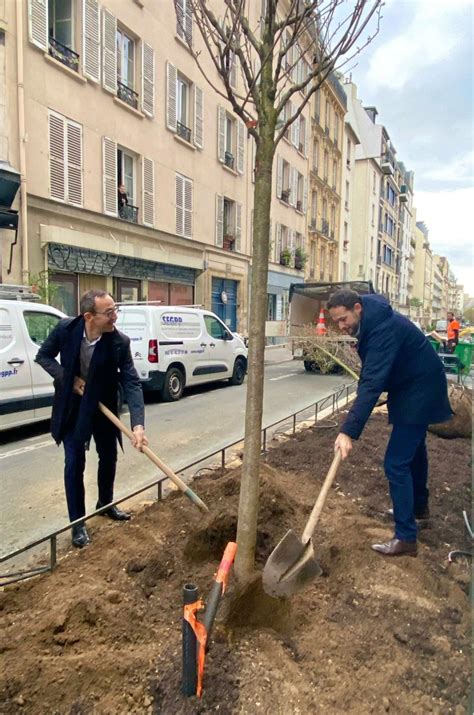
<point>292,247</point>
<point>179,205</point>
<point>38,23</point>
<point>171,78</point>
<point>57,178</point>
<point>74,163</point>
<point>188,208</point>
<point>221,133</point>
<point>305,194</point>
<point>238,227</point>
<point>293,186</point>
<point>148,191</point>
<point>109,52</point>
<point>254,157</point>
<point>91,39</point>
<point>148,79</point>
<point>277,242</point>
<point>279,181</point>
<point>110,176</point>
<point>179,6</point>
<point>198,117</point>
<point>240,146</point>
<point>306,135</point>
<point>295,133</point>
<point>219,221</point>
<point>188,24</point>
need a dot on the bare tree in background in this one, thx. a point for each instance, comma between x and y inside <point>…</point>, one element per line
<point>284,54</point>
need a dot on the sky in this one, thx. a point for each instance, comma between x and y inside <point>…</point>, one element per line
<point>418,73</point>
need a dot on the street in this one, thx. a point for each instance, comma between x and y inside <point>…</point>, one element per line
<point>206,419</point>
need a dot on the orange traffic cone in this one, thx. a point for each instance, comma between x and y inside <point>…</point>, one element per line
<point>321,326</point>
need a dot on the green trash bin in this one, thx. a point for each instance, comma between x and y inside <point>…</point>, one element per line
<point>464,352</point>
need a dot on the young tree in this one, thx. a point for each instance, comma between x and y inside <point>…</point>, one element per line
<point>285,53</point>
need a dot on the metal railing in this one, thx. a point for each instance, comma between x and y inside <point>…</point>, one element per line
<point>63,54</point>
<point>315,409</point>
<point>127,212</point>
<point>127,95</point>
<point>183,131</point>
<point>229,159</point>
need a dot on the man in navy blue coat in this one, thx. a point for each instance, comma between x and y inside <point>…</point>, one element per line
<point>95,360</point>
<point>398,359</point>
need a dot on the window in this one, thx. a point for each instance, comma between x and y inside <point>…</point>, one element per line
<point>334,174</point>
<point>374,183</point>
<point>314,208</point>
<point>65,159</point>
<point>312,259</point>
<point>336,129</point>
<point>389,225</point>
<point>373,215</point>
<point>215,328</point>
<point>127,209</point>
<point>231,140</point>
<point>184,20</point>
<point>315,155</point>
<point>302,135</point>
<point>125,59</point>
<point>328,117</point>
<point>284,180</point>
<point>317,104</point>
<point>390,195</point>
<point>184,206</point>
<point>349,152</point>
<point>322,262</point>
<point>39,325</point>
<point>333,220</point>
<point>326,166</point>
<point>300,192</point>
<point>228,224</point>
<point>60,20</point>
<point>184,107</point>
<point>346,201</point>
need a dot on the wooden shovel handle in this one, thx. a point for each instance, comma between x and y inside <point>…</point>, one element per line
<point>156,460</point>
<point>318,507</point>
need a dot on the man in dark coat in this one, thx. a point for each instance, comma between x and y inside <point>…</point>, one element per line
<point>397,359</point>
<point>95,361</point>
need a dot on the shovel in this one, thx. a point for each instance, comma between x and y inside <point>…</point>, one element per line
<point>156,460</point>
<point>292,565</point>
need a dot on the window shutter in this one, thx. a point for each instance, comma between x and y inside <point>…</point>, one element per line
<point>306,133</point>
<point>188,23</point>
<point>179,6</point>
<point>198,117</point>
<point>292,247</point>
<point>148,79</point>
<point>254,157</point>
<point>171,78</point>
<point>109,53</point>
<point>293,186</point>
<point>188,208</point>
<point>91,40</point>
<point>38,23</point>
<point>240,146</point>
<point>238,227</point>
<point>219,221</point>
<point>221,133</point>
<point>277,242</point>
<point>74,163</point>
<point>305,194</point>
<point>295,132</point>
<point>279,181</point>
<point>110,176</point>
<point>179,205</point>
<point>148,188</point>
<point>57,179</point>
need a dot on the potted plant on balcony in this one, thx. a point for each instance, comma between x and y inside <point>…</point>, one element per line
<point>300,259</point>
<point>285,257</point>
<point>228,244</point>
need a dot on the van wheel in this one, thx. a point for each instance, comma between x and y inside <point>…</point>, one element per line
<point>238,375</point>
<point>310,366</point>
<point>173,386</point>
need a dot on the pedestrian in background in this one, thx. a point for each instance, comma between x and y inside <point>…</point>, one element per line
<point>95,361</point>
<point>398,359</point>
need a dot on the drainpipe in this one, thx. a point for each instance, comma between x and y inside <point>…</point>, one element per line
<point>22,141</point>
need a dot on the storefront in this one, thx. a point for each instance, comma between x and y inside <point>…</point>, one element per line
<point>278,287</point>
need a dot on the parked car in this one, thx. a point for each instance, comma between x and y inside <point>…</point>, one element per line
<point>26,390</point>
<point>174,347</point>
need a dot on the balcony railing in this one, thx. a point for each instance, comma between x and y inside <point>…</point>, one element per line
<point>127,95</point>
<point>285,196</point>
<point>229,159</point>
<point>63,54</point>
<point>127,212</point>
<point>312,225</point>
<point>325,227</point>
<point>183,131</point>
<point>299,205</point>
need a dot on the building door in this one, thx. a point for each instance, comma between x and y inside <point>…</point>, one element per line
<point>224,301</point>
<point>128,291</point>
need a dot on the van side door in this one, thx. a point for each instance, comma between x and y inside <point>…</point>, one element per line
<point>16,392</point>
<point>220,348</point>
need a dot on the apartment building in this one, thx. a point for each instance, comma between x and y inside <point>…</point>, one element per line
<point>348,204</point>
<point>405,241</point>
<point>107,95</point>
<point>388,247</point>
<point>422,274</point>
<point>324,211</point>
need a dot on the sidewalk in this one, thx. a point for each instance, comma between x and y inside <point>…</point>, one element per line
<point>277,353</point>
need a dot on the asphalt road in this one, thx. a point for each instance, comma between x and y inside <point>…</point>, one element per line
<point>206,419</point>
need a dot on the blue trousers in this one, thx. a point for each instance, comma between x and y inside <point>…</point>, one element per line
<point>75,461</point>
<point>406,467</point>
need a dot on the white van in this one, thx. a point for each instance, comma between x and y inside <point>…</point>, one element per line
<point>174,347</point>
<point>26,390</point>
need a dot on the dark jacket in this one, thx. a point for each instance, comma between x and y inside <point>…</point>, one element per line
<point>396,358</point>
<point>111,366</point>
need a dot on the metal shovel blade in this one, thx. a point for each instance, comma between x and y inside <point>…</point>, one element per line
<point>290,567</point>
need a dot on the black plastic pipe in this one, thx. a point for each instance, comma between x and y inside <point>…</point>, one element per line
<point>189,676</point>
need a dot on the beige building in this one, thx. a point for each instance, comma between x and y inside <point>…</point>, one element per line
<point>324,211</point>
<point>423,275</point>
<point>107,94</point>
<point>349,205</point>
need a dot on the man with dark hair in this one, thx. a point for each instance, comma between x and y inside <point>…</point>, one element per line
<point>95,361</point>
<point>398,359</point>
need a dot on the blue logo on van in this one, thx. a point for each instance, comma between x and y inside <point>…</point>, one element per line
<point>171,319</point>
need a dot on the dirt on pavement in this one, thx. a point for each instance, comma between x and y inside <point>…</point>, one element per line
<point>102,633</point>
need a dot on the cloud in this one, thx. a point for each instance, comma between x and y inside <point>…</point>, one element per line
<point>447,215</point>
<point>430,37</point>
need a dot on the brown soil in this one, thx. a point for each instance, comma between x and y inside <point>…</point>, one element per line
<point>102,633</point>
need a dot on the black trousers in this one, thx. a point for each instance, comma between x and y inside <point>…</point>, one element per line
<point>105,439</point>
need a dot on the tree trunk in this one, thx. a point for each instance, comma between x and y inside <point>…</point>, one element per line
<point>249,489</point>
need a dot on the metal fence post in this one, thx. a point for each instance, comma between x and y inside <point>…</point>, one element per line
<point>223,458</point>
<point>53,552</point>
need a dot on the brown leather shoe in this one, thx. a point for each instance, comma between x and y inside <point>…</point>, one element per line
<point>396,547</point>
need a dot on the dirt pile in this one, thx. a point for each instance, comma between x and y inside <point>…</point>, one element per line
<point>102,633</point>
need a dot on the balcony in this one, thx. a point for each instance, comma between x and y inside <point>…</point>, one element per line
<point>403,197</point>
<point>325,227</point>
<point>229,160</point>
<point>63,54</point>
<point>127,95</point>
<point>285,196</point>
<point>129,213</point>
<point>184,132</point>
<point>386,166</point>
<point>299,205</point>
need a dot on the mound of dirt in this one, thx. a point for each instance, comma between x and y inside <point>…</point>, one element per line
<point>102,634</point>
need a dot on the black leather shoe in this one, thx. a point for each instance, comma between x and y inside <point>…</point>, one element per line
<point>114,513</point>
<point>396,547</point>
<point>80,537</point>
